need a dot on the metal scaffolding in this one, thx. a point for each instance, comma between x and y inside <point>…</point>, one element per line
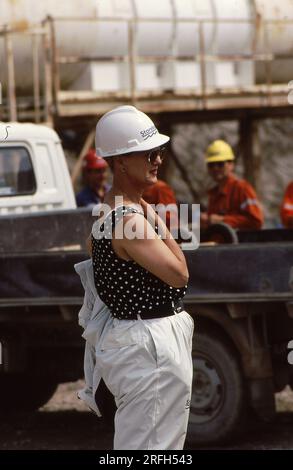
<point>50,101</point>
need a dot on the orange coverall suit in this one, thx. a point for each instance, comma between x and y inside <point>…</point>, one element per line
<point>160,193</point>
<point>237,202</point>
<point>287,205</point>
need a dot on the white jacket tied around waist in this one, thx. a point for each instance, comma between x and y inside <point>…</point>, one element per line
<point>147,366</point>
<point>95,318</point>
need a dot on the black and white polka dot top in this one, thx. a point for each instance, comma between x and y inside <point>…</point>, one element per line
<point>123,285</point>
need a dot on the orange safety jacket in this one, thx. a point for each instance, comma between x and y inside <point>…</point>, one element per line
<point>287,206</point>
<point>237,202</point>
<point>161,193</point>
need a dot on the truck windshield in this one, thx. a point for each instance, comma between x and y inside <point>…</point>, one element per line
<point>16,172</point>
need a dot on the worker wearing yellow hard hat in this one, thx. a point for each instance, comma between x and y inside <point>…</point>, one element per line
<point>219,151</point>
<point>232,200</point>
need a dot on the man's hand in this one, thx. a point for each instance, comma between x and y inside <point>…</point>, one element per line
<point>204,220</point>
<point>215,219</point>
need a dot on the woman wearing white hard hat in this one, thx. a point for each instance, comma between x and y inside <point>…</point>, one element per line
<point>145,357</point>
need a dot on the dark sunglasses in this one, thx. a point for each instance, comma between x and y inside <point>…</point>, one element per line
<point>154,153</point>
<point>214,164</point>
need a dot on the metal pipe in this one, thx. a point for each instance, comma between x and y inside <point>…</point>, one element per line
<point>202,64</point>
<point>168,20</point>
<point>48,98</point>
<point>54,62</point>
<point>36,76</point>
<point>10,75</point>
<point>132,61</point>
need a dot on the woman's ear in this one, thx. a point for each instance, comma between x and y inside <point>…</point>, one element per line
<point>120,162</point>
<point>110,162</point>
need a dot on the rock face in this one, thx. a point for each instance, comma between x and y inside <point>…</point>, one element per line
<point>276,139</point>
<point>275,136</point>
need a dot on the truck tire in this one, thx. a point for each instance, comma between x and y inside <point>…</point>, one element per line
<point>20,392</point>
<point>218,395</point>
<point>220,233</point>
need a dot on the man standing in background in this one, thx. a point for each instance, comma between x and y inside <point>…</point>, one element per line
<point>94,176</point>
<point>287,207</point>
<point>232,201</point>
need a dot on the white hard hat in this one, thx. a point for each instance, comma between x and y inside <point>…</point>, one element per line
<point>125,129</point>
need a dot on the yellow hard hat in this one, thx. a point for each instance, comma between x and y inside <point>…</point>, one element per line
<point>219,151</point>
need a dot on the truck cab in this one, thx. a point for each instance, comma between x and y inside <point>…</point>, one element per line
<point>34,176</point>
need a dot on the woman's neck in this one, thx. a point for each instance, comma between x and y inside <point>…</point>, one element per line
<point>128,193</point>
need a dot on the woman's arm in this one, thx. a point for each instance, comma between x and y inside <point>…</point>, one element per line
<point>89,245</point>
<point>167,237</point>
<point>163,258</point>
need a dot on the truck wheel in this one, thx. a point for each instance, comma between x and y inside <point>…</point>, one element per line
<point>218,396</point>
<point>21,392</point>
<point>220,233</point>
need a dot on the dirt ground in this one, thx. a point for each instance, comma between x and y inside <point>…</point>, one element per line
<point>65,423</point>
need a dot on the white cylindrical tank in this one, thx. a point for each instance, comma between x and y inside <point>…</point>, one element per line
<point>233,37</point>
<point>158,38</point>
<point>278,38</point>
<point>72,38</point>
<point>279,35</point>
<point>187,34</point>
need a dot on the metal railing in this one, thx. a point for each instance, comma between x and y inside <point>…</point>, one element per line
<point>45,35</point>
<point>40,38</point>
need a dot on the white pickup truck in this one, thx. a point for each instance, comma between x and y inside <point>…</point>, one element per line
<point>34,175</point>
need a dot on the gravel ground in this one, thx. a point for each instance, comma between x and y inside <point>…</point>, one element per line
<point>65,423</point>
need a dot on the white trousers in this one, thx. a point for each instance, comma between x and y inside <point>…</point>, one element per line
<point>147,365</point>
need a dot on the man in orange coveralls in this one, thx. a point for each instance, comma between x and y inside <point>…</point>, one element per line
<point>232,201</point>
<point>161,193</point>
<point>287,207</point>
